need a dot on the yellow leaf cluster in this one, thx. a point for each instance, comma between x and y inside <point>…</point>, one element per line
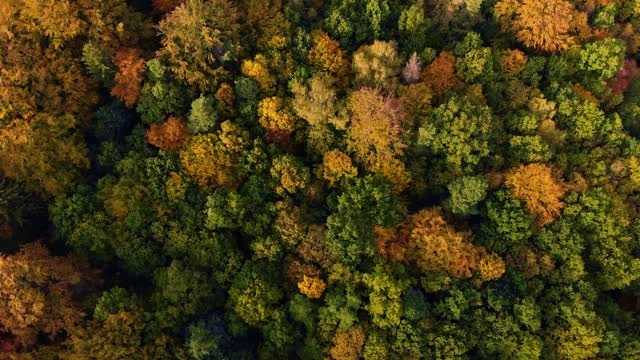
<point>541,191</point>
<point>312,286</point>
<point>273,116</point>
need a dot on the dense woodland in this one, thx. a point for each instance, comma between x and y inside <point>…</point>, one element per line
<point>309,179</point>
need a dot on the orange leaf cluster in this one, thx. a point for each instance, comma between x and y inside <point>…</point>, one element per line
<point>436,246</point>
<point>170,135</point>
<point>541,191</point>
<point>440,75</point>
<point>376,126</point>
<point>128,80</point>
<point>37,291</point>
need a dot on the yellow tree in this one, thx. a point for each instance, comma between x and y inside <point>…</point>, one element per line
<point>212,160</point>
<point>45,152</point>
<point>336,167</point>
<point>540,24</point>
<point>273,115</point>
<point>312,286</point>
<point>541,191</point>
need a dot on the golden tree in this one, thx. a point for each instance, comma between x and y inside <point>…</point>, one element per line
<point>541,191</point>
<point>336,167</point>
<point>258,70</point>
<point>377,125</point>
<point>212,160</point>
<point>327,54</point>
<point>273,115</point>
<point>312,286</point>
<point>540,24</point>
<point>347,344</point>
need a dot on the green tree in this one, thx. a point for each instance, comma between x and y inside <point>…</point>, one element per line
<point>465,193</point>
<point>363,204</point>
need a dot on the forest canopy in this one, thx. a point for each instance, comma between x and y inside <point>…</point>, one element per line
<point>319,179</point>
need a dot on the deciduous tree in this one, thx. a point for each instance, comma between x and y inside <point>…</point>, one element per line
<point>540,189</point>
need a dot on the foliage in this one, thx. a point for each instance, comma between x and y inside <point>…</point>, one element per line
<point>544,25</point>
<point>170,135</point>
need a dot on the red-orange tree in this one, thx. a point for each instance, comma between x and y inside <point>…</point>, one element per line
<point>37,293</point>
<point>128,80</point>
<point>170,135</point>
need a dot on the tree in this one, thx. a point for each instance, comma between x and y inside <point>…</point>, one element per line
<point>336,168</point>
<point>435,246</point>
<point>326,54</point>
<point>440,75</point>
<point>365,203</point>
<point>315,102</point>
<point>356,22</point>
<point>543,25</point>
<point>385,297</point>
<point>212,159</point>
<point>376,126</point>
<point>312,287</point>
<point>460,131</point>
<point>376,65</point>
<point>203,116</point>
<point>465,193</point>
<point>45,152</point>
<point>258,70</point>
<point>273,115</point>
<point>253,294</point>
<point>508,223</point>
<point>290,174</point>
<point>120,336</point>
<point>170,135</point>
<point>540,190</point>
<point>347,345</point>
<point>602,59</point>
<point>411,71</point>
<point>128,80</point>
<point>38,292</point>
<point>198,37</point>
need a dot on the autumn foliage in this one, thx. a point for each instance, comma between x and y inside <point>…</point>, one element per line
<point>540,189</point>
<point>540,24</point>
<point>312,287</point>
<point>336,167</point>
<point>440,75</point>
<point>326,54</point>
<point>37,293</point>
<point>169,135</point>
<point>128,80</point>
